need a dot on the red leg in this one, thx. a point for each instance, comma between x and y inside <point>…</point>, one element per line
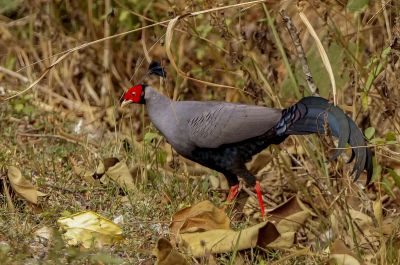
<point>233,192</point>
<point>260,199</point>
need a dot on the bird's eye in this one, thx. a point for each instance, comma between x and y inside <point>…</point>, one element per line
<point>133,93</point>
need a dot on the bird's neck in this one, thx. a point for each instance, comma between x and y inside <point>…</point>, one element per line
<point>159,109</point>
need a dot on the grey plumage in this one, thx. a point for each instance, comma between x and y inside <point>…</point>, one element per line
<point>224,136</point>
<point>207,124</point>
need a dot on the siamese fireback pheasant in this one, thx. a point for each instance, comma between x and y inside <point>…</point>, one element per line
<point>224,136</point>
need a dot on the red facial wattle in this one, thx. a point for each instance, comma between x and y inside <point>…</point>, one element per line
<point>134,94</point>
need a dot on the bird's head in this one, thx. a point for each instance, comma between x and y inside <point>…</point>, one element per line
<point>134,94</point>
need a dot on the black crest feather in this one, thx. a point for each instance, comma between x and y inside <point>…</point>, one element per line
<point>156,69</point>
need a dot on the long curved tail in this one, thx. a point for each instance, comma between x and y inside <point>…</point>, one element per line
<point>312,114</point>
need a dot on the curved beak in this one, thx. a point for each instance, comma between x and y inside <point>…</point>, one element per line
<point>125,102</point>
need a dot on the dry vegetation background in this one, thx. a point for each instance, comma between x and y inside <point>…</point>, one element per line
<point>71,119</point>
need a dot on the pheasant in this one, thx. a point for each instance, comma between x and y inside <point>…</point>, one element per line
<point>224,136</point>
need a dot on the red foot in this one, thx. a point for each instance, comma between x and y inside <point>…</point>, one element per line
<point>260,199</point>
<point>233,192</point>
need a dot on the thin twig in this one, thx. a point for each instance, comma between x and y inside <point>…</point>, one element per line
<point>294,35</point>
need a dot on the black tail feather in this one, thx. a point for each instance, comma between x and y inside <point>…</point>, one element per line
<point>311,114</point>
<point>360,152</point>
<point>369,166</point>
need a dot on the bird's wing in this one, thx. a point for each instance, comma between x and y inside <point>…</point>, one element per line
<point>227,123</point>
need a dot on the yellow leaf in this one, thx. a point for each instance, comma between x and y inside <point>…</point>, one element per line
<point>89,229</point>
<point>22,186</point>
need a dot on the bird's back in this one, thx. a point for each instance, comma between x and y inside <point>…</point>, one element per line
<point>209,124</point>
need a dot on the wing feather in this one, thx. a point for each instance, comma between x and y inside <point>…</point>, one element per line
<point>228,123</point>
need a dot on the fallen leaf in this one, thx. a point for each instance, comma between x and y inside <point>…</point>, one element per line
<point>288,218</point>
<point>82,172</point>
<point>287,229</point>
<point>203,229</point>
<point>341,254</point>
<point>22,186</point>
<point>224,240</point>
<point>119,172</point>
<point>167,255</point>
<point>89,229</point>
<point>203,216</point>
<point>289,207</point>
<point>108,169</point>
<point>86,175</point>
<point>218,241</point>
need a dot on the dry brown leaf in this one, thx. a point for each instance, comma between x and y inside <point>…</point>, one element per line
<point>203,216</point>
<point>120,173</point>
<point>167,255</point>
<point>287,229</point>
<point>341,254</point>
<point>108,169</point>
<point>289,207</point>
<point>288,218</point>
<point>223,240</point>
<point>22,186</point>
<point>86,175</point>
